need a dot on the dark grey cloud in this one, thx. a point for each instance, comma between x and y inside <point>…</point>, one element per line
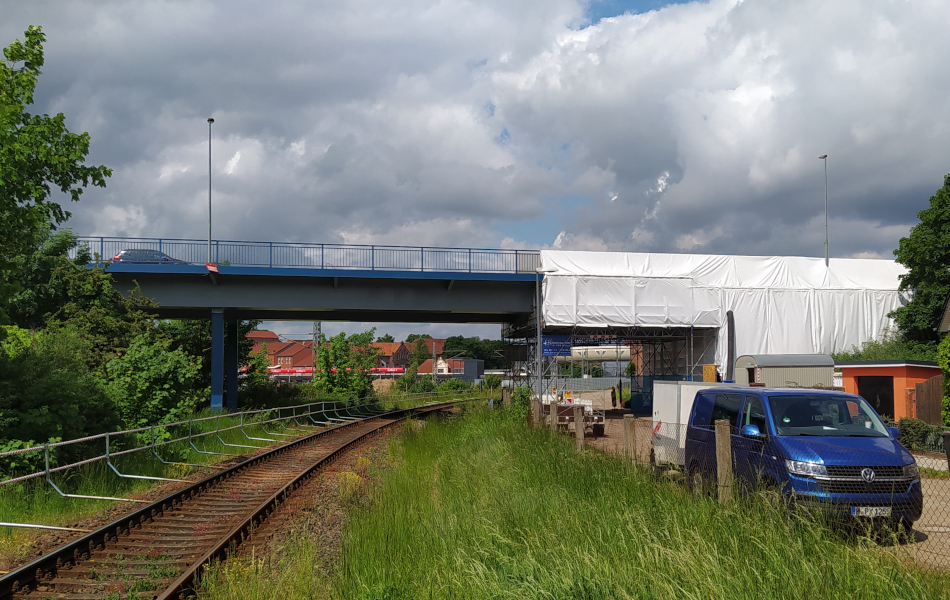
<point>693,128</point>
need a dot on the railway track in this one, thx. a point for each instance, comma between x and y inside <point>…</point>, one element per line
<point>156,551</point>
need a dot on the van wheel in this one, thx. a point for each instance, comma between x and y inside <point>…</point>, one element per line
<point>696,482</point>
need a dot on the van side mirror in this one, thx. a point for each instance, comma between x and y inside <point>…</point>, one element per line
<point>895,432</point>
<point>751,431</point>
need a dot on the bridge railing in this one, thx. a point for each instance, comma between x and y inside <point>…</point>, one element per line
<point>325,256</point>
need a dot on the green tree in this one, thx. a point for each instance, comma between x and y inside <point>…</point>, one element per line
<point>489,351</point>
<point>42,288</point>
<point>47,390</point>
<point>152,383</point>
<point>415,336</point>
<point>492,381</point>
<point>37,156</point>
<point>419,351</point>
<point>105,317</point>
<point>194,337</point>
<point>926,254</point>
<point>388,339</point>
<point>257,363</point>
<point>345,363</point>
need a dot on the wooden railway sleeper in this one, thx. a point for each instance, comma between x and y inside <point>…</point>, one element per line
<point>99,541</point>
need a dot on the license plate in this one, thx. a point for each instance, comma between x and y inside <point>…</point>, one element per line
<point>871,511</point>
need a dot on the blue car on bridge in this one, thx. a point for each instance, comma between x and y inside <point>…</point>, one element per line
<point>819,447</point>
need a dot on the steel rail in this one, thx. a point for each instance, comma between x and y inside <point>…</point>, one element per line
<point>180,587</point>
<point>21,581</point>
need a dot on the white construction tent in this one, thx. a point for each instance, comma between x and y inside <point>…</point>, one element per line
<point>781,304</point>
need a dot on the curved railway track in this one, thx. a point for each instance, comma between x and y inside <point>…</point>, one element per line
<point>156,551</point>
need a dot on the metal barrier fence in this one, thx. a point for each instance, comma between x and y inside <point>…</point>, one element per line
<point>318,256</point>
<point>274,423</point>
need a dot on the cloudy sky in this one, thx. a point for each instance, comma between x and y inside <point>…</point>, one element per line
<point>603,125</point>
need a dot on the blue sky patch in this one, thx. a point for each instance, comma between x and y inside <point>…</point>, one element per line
<point>603,9</point>
<point>544,229</point>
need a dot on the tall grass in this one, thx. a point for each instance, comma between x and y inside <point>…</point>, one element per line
<point>483,507</point>
<point>34,501</point>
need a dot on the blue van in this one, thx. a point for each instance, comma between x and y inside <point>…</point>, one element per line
<point>817,446</point>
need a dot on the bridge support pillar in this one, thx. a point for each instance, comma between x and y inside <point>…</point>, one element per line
<point>217,359</point>
<point>231,364</point>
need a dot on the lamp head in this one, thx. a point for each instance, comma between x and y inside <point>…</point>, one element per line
<point>210,120</point>
<point>822,157</point>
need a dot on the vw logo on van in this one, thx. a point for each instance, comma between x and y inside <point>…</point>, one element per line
<point>867,475</point>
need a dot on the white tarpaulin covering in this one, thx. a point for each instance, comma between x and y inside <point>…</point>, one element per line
<point>782,304</point>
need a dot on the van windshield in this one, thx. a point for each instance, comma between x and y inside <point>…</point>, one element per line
<point>823,415</point>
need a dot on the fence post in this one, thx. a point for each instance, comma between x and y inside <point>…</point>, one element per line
<point>630,437</point>
<point>553,406</point>
<point>535,412</point>
<point>270,255</point>
<point>579,427</point>
<point>724,459</point>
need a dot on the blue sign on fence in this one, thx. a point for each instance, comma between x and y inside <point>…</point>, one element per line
<point>556,345</point>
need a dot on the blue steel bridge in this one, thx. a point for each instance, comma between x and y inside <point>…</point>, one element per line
<point>321,282</point>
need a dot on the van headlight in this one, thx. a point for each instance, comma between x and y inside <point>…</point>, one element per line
<point>911,471</point>
<point>806,469</point>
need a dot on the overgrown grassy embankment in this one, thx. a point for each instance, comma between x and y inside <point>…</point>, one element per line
<point>483,507</point>
<point>34,501</point>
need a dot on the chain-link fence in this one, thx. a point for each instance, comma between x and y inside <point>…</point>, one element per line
<point>867,483</point>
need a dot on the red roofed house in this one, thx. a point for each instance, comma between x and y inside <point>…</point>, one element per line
<point>283,354</point>
<point>393,355</point>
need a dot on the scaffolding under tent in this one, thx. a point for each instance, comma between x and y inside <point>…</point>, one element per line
<point>634,318</point>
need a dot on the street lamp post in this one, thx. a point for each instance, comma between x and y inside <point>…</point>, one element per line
<point>824,158</point>
<point>210,121</point>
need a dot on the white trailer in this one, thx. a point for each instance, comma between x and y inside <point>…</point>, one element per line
<point>672,403</point>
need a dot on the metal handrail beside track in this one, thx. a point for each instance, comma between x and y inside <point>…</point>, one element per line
<point>59,564</point>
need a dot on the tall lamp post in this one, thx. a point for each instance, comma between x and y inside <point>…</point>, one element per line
<point>210,121</point>
<point>824,158</point>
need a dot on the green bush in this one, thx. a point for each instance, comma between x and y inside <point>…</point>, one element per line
<point>943,359</point>
<point>152,384</point>
<point>919,435</point>
<point>492,381</point>
<point>453,385</point>
<point>521,401</point>
<point>422,386</point>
